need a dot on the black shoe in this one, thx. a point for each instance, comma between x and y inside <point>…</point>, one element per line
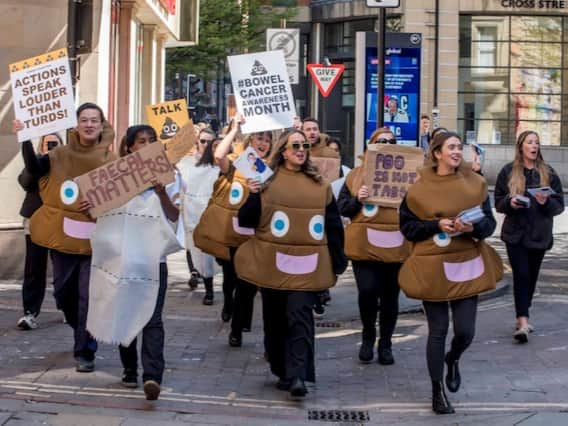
<point>453,378</point>
<point>385,354</point>
<point>83,365</point>
<point>129,379</point>
<point>151,390</point>
<point>208,299</point>
<point>227,312</point>
<point>366,351</point>
<point>319,311</point>
<point>246,329</point>
<point>298,388</point>
<point>283,384</point>
<point>440,403</point>
<point>193,280</point>
<point>325,297</point>
<point>235,341</point>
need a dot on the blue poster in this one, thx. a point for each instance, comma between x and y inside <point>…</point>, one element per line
<point>401,103</point>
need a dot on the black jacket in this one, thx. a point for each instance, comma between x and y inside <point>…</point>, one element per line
<point>414,229</point>
<point>348,204</point>
<point>251,210</point>
<point>530,227</point>
<point>32,200</point>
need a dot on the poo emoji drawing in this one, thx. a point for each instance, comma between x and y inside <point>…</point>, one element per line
<point>169,129</point>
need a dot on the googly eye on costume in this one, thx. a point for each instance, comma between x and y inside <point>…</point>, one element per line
<point>174,128</point>
<point>69,192</point>
<point>442,239</point>
<point>279,224</point>
<point>370,210</point>
<point>236,194</point>
<point>317,227</point>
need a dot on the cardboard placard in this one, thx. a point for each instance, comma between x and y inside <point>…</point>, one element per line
<point>181,144</point>
<point>389,172</point>
<point>43,94</point>
<point>328,167</point>
<point>262,91</point>
<point>114,184</point>
<point>168,118</point>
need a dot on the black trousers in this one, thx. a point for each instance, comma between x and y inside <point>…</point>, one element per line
<point>190,261</point>
<point>238,296</point>
<point>71,274</point>
<point>33,286</point>
<point>289,333</point>
<point>437,313</point>
<point>525,264</point>
<point>152,352</point>
<point>377,281</point>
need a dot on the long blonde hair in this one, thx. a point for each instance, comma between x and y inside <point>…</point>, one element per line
<point>277,158</point>
<point>517,181</point>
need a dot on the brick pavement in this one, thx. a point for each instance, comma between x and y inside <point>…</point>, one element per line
<point>207,382</point>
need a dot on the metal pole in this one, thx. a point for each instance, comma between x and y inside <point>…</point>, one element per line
<point>436,50</point>
<point>381,67</point>
<point>72,41</point>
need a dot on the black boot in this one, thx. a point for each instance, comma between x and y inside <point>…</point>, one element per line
<point>453,378</point>
<point>297,388</point>
<point>208,298</point>
<point>367,345</point>
<point>385,352</point>
<point>440,403</point>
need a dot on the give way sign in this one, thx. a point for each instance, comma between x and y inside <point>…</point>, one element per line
<point>325,77</point>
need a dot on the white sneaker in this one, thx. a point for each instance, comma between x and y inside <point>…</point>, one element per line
<point>27,322</point>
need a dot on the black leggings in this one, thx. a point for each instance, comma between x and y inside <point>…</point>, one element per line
<point>437,313</point>
<point>525,264</point>
<point>377,281</point>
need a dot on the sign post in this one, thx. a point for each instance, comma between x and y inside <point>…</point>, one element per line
<point>325,77</point>
<point>287,40</point>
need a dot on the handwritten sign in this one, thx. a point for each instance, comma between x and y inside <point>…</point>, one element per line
<point>262,91</point>
<point>389,172</point>
<point>43,94</point>
<point>112,185</point>
<point>328,167</point>
<point>181,144</point>
<point>168,118</point>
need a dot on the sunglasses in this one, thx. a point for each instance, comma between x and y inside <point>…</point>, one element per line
<point>383,140</point>
<point>297,145</point>
<point>204,141</point>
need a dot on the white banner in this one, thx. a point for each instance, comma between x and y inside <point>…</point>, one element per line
<point>288,40</point>
<point>262,91</point>
<point>43,94</point>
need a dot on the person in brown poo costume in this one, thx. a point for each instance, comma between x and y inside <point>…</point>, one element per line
<point>218,232</point>
<point>297,250</point>
<point>449,264</point>
<point>62,223</point>
<point>377,248</point>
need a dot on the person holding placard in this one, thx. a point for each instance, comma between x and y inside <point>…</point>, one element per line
<point>529,192</point>
<point>296,251</point>
<point>219,234</point>
<point>199,173</point>
<point>130,265</point>
<point>33,286</point>
<point>377,249</point>
<point>449,263</point>
<point>63,224</point>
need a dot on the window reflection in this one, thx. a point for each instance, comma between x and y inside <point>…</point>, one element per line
<point>536,28</point>
<point>525,54</point>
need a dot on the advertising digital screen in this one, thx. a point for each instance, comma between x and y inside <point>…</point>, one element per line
<point>401,103</point>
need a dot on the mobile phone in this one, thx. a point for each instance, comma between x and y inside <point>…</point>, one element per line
<point>523,201</point>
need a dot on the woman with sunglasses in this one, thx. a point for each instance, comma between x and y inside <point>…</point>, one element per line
<point>199,173</point>
<point>377,249</point>
<point>296,251</point>
<point>447,215</point>
<point>219,234</point>
<point>527,229</point>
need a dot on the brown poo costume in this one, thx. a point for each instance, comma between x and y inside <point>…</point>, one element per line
<point>218,229</point>
<point>374,233</point>
<point>58,224</point>
<point>446,268</point>
<point>289,250</point>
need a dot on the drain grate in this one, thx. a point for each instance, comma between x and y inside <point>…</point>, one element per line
<point>328,324</point>
<point>339,416</point>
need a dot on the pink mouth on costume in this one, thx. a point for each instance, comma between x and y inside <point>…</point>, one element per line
<point>296,265</point>
<point>241,230</point>
<point>78,229</point>
<point>464,271</point>
<point>385,239</point>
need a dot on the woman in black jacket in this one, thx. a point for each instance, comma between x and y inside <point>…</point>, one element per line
<point>527,230</point>
<point>33,286</point>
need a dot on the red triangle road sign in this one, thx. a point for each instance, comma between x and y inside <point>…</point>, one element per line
<point>325,77</point>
